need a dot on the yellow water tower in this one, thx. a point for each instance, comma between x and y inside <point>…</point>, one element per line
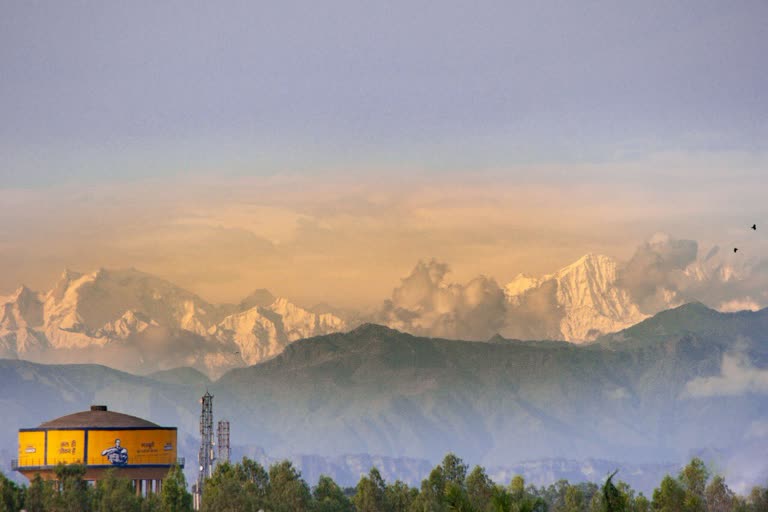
<point>99,439</point>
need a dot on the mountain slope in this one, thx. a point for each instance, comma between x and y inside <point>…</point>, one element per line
<point>686,381</point>
<point>377,390</point>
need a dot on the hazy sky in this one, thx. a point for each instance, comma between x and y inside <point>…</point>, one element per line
<point>310,147</point>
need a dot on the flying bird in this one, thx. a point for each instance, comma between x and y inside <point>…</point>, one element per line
<point>735,249</point>
<point>754,227</point>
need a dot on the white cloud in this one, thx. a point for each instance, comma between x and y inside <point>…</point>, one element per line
<point>745,304</point>
<point>654,275</point>
<point>737,377</point>
<point>426,303</point>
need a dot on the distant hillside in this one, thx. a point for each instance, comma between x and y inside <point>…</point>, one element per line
<point>183,376</point>
<point>376,390</point>
<point>689,380</point>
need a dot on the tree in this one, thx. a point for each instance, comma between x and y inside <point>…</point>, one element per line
<point>642,504</point>
<point>589,490</point>
<point>430,498</point>
<point>740,504</point>
<point>669,496</point>
<point>758,499</point>
<point>627,494</point>
<point>39,495</point>
<point>479,489</point>
<point>328,497</point>
<point>718,496</point>
<point>256,481</point>
<point>370,493</point>
<point>224,491</point>
<point>555,495</point>
<point>613,499</point>
<point>174,495</point>
<point>694,478</point>
<point>400,497</point>
<point>520,498</point>
<point>596,503</point>
<point>243,486</point>
<point>287,491</point>
<point>574,499</point>
<point>115,494</point>
<point>152,503</point>
<point>11,495</point>
<point>517,487</point>
<point>454,469</point>
<point>74,494</point>
<point>455,498</point>
<point>501,501</point>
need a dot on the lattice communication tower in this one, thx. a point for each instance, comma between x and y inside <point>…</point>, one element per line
<point>222,432</point>
<point>206,455</point>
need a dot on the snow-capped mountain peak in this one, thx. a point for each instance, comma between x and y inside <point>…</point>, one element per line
<point>584,300</point>
<point>139,316</point>
<point>21,309</point>
<point>263,332</point>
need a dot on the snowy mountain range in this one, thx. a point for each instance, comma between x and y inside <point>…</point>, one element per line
<point>597,295</point>
<point>590,297</point>
<point>132,321</point>
<point>136,322</point>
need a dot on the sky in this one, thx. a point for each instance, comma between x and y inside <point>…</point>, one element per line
<point>322,149</point>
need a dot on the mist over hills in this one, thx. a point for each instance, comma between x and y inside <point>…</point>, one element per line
<point>686,381</point>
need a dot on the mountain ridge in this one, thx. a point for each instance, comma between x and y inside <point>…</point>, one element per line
<point>132,320</point>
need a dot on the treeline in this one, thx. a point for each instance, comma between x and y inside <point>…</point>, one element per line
<point>450,487</point>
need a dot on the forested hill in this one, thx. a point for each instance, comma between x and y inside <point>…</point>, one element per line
<point>654,392</point>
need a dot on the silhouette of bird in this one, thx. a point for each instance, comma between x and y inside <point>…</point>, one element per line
<point>237,352</point>
<point>754,227</point>
<point>735,249</point>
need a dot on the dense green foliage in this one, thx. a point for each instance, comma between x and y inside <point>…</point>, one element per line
<point>174,495</point>
<point>247,486</point>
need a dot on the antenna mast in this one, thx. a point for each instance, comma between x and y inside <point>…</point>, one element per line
<point>222,432</point>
